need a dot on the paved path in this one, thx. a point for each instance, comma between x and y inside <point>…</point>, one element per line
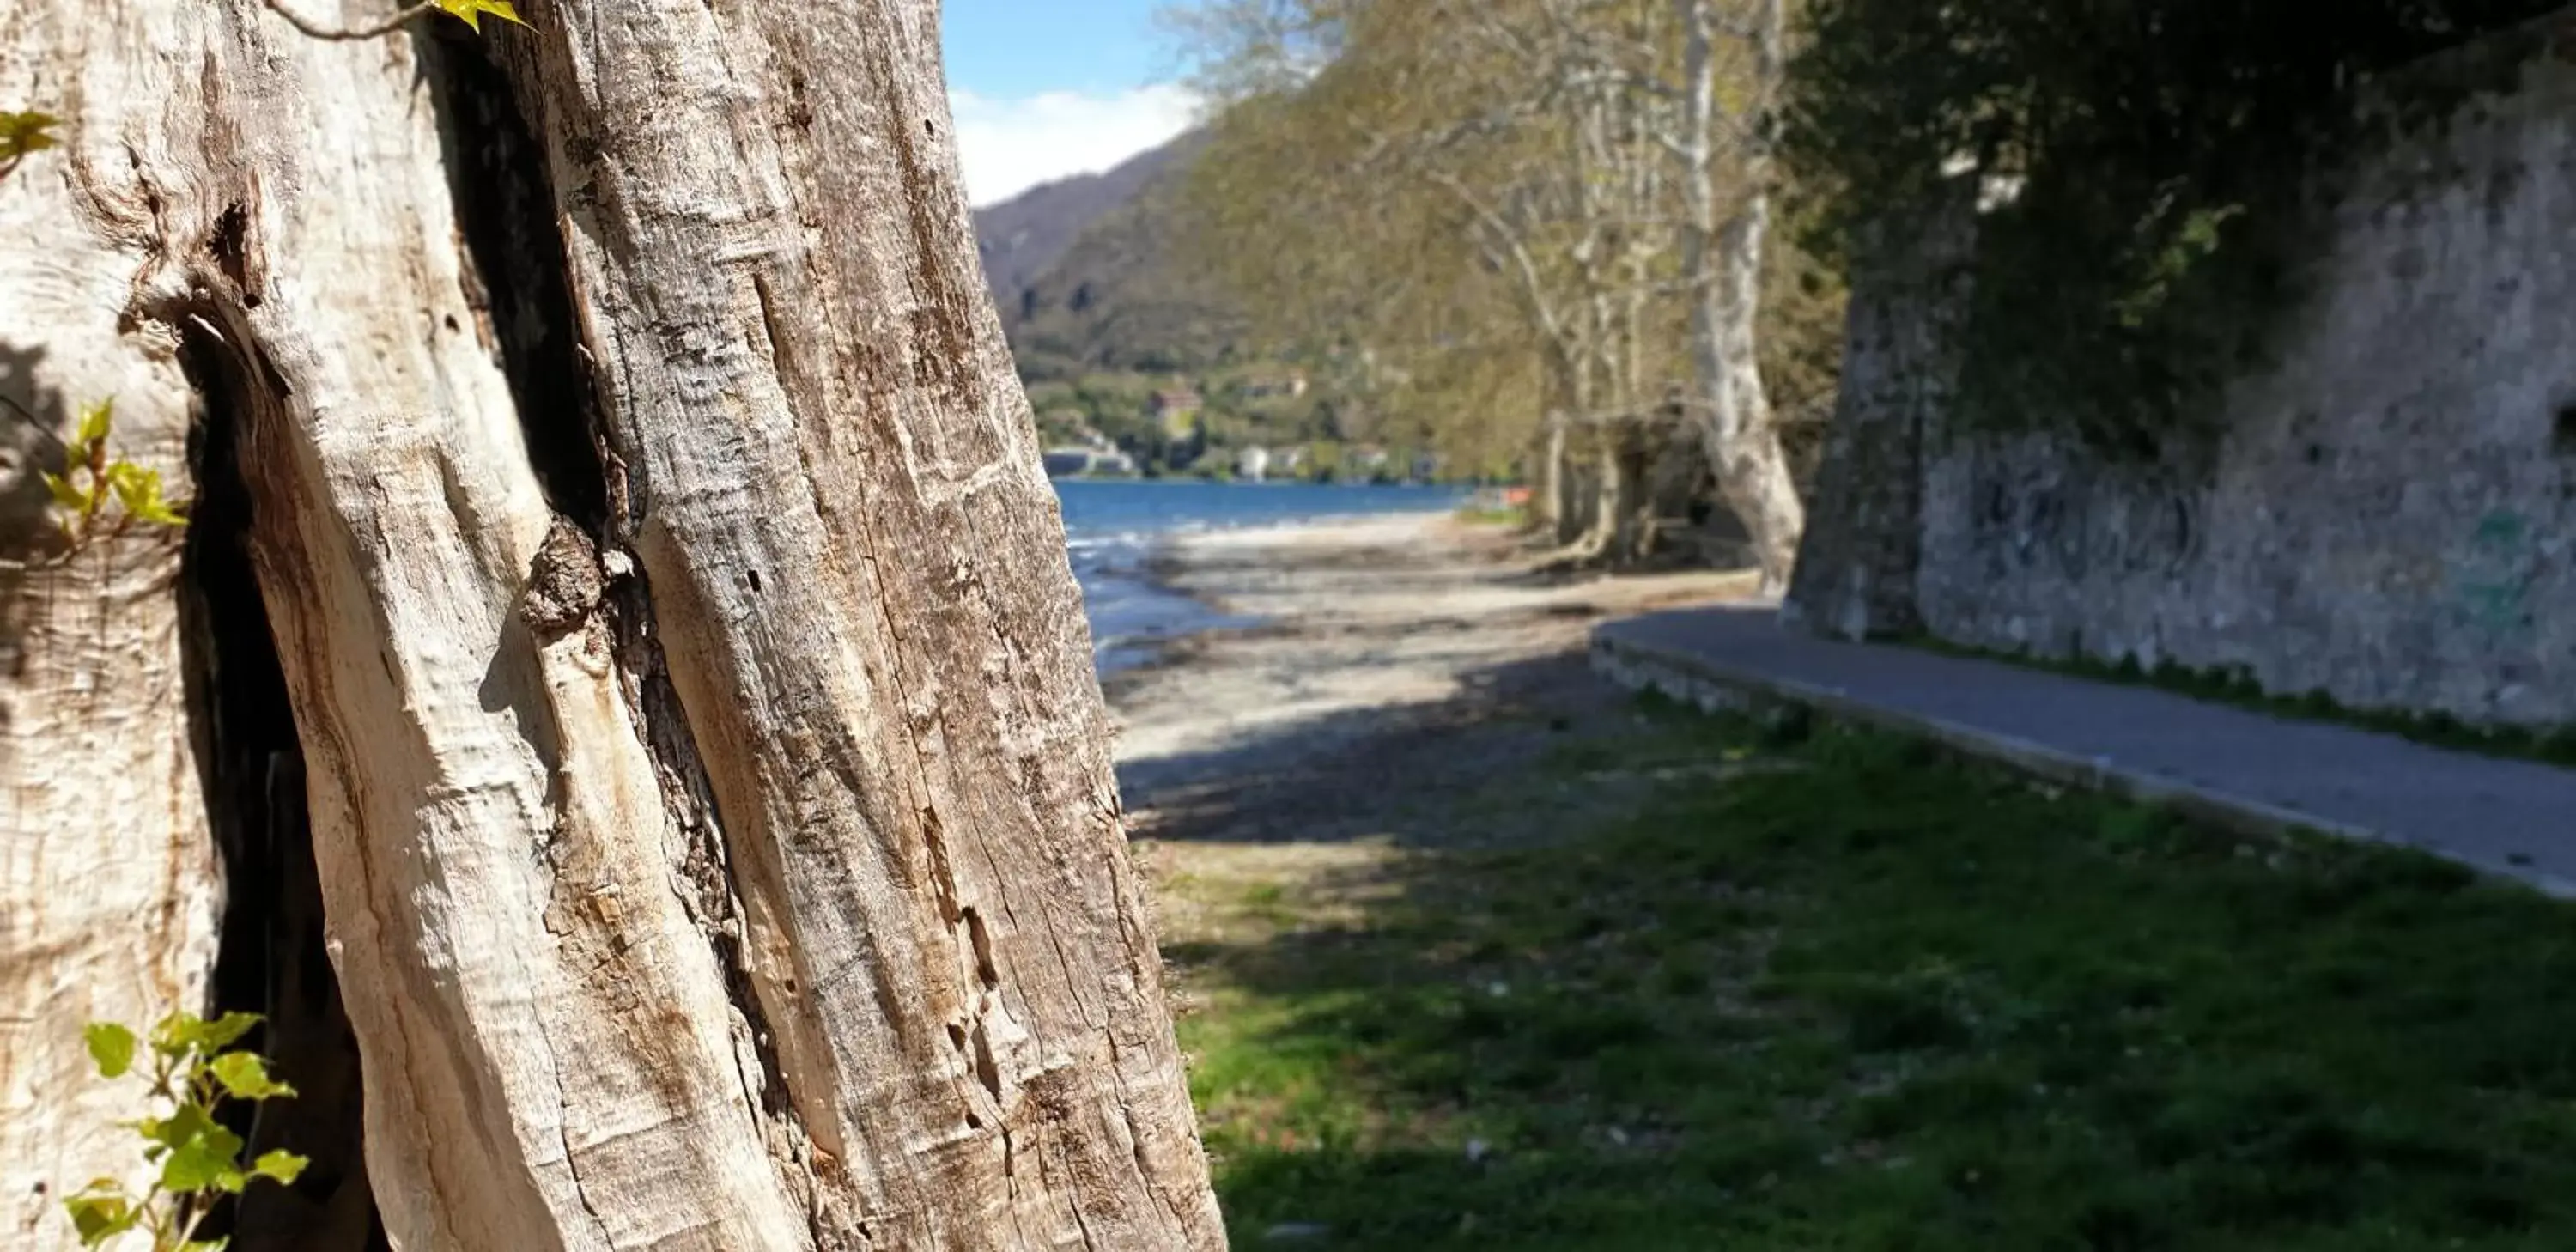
<point>2245,769</point>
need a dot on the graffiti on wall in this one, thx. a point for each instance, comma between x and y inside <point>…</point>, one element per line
<point>2492,583</point>
<point>2117,529</point>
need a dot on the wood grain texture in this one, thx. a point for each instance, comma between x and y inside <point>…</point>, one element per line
<point>859,583</point>
<point>109,895</point>
<point>734,863</point>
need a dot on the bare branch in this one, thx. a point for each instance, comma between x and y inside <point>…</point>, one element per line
<point>315,30</point>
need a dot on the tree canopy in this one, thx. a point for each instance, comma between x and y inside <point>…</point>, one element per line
<point>1487,200</point>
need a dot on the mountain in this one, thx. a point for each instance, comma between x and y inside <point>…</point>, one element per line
<point>1119,336</point>
<point>1089,279</point>
<point>1022,236</point>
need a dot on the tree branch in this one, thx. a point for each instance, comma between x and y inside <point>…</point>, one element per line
<point>317,31</point>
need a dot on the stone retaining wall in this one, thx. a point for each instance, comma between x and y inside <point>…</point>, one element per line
<point>2389,514</point>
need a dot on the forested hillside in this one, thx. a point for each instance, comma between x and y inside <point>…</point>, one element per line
<point>1022,237</point>
<point>1125,336</point>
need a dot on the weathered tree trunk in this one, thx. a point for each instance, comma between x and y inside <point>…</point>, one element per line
<point>109,895</point>
<point>1546,498</point>
<point>1637,533</point>
<point>1723,267</point>
<point>707,781</point>
<point>1578,519</point>
<point>1609,490</point>
<point>1560,480</point>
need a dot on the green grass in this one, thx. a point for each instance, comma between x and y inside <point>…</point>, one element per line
<point>1508,516</point>
<point>2236,686</point>
<point>1878,1001</point>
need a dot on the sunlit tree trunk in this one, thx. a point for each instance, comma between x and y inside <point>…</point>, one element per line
<point>1722,267</point>
<point>707,783</point>
<point>109,892</point>
<point>1546,498</point>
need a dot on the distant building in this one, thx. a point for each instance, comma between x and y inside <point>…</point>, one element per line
<point>1176,410</point>
<point>1086,462</point>
<point>1252,464</point>
<point>1292,386</point>
<point>1069,427</point>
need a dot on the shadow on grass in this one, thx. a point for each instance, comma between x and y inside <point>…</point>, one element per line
<point>1852,997</point>
<point>1350,775</point>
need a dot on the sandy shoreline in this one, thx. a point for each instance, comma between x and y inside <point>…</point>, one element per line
<point>1378,643</point>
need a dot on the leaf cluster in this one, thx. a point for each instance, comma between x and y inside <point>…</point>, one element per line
<point>471,12</point>
<point>192,1070</point>
<point>23,133</point>
<point>95,478</point>
<point>1487,198</point>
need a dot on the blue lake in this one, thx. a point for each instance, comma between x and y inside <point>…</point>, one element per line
<point>1114,527</point>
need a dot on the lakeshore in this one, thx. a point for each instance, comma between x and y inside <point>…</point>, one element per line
<point>1120,534</point>
<point>1360,659</point>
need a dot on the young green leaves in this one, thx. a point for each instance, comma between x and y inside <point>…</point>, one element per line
<point>135,490</point>
<point>23,133</point>
<point>192,1074</point>
<point>471,12</point>
<point>112,1046</point>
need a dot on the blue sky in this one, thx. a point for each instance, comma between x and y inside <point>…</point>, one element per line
<point>1044,89</point>
<point>1004,48</point>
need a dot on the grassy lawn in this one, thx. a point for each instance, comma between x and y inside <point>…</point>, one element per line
<point>1851,997</point>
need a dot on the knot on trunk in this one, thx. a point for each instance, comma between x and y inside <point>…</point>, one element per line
<point>565,584</point>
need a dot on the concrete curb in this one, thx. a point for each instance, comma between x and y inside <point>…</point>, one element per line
<point>1711,685</point>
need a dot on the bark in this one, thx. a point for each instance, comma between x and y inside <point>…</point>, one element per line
<point>1579,516</point>
<point>708,786</point>
<point>1546,500</point>
<point>1638,533</point>
<point>1722,265</point>
<point>108,879</point>
<point>1608,482</point>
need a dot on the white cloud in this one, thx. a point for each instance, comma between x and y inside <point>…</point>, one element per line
<point>1009,146</point>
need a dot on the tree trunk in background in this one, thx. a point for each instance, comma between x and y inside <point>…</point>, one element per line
<point>1560,480</point>
<point>1609,491</point>
<point>1742,440</point>
<point>1636,536</point>
<point>709,791</point>
<point>1723,265</point>
<point>1545,500</point>
<point>1578,474</point>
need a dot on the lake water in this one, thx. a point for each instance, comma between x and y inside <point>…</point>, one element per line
<point>1114,527</point>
